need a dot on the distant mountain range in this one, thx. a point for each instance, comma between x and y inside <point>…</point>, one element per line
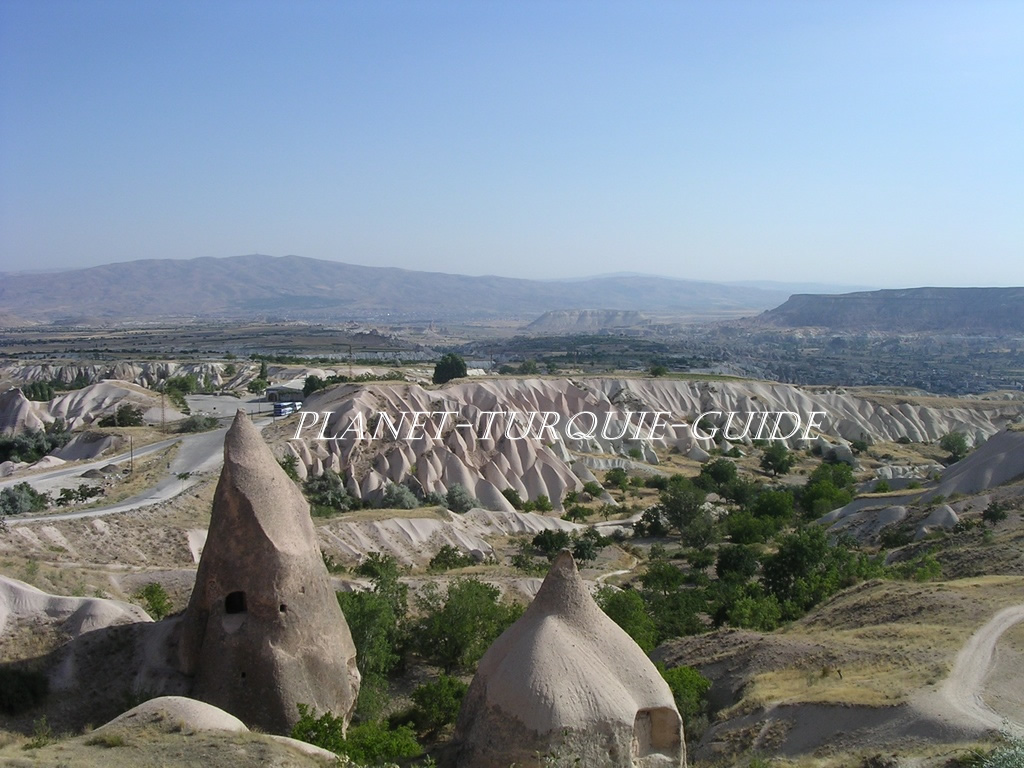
<point>293,287</point>
<point>988,311</point>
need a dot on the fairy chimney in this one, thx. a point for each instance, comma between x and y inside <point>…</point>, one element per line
<point>263,631</point>
<point>566,681</point>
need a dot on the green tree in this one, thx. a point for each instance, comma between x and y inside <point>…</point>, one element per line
<point>156,600</point>
<point>449,367</point>
<point>829,487</point>
<point>954,443</point>
<point>455,630</point>
<point>752,609</point>
<point>436,705</point>
<point>650,525</point>
<point>681,505</point>
<point>718,473</point>
<point>689,689</point>
<point>736,562</point>
<point>774,505</point>
<point>377,621</point>
<point>805,570</point>
<point>658,370</point>
<point>42,391</point>
<point>616,477</point>
<point>994,513</point>
<point>257,386</point>
<point>551,542</point>
<point>312,384</point>
<point>777,459</point>
<point>126,415</point>
<point>627,609</point>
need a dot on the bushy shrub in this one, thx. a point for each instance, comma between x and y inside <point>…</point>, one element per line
<point>377,621</point>
<point>33,445</point>
<point>1008,756</point>
<point>199,423</point>
<point>449,557</point>
<point>22,498</point>
<point>460,500</point>
<point>513,497</point>
<point>327,494</point>
<point>368,743</point>
<point>657,482</point>
<point>398,497</point>
<point>155,599</point>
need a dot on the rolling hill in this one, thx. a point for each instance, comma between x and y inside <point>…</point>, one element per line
<point>293,287</point>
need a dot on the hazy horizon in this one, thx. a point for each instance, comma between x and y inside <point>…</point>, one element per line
<point>847,144</point>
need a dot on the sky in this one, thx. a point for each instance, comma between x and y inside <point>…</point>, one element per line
<point>863,143</point>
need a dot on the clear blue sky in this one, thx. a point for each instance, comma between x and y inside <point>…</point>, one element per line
<point>863,142</point>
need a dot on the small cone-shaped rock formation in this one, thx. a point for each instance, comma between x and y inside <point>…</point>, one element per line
<point>567,681</point>
<point>263,631</point>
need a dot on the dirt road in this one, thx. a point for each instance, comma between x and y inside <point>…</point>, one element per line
<point>959,698</point>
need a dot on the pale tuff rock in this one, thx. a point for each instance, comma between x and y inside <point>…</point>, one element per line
<point>486,460</point>
<point>566,681</point>
<point>263,631</point>
<point>999,460</point>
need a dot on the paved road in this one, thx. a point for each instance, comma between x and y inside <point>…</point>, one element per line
<point>53,478</point>
<point>198,454</point>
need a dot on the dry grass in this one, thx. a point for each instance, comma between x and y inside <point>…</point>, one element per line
<point>888,639</point>
<point>156,747</point>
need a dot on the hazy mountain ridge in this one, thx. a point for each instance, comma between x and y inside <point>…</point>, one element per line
<point>298,287</point>
<point>955,310</point>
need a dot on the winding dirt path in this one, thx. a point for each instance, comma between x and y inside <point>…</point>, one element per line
<point>960,695</point>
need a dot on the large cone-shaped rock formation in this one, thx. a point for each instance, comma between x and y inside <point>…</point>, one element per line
<point>567,681</point>
<point>263,631</point>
